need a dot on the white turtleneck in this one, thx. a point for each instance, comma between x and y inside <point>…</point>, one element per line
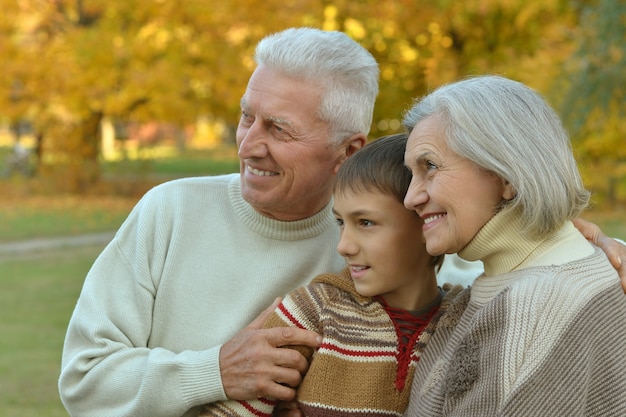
<point>502,248</point>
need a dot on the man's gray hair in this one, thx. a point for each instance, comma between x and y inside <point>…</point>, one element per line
<point>347,73</point>
<point>509,129</point>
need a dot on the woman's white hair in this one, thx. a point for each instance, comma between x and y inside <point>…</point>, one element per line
<point>509,129</point>
<point>347,73</point>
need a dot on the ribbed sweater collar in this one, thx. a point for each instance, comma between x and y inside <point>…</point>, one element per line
<point>500,245</point>
<point>277,229</point>
<point>503,249</point>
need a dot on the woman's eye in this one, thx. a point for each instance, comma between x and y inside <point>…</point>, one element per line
<point>430,165</point>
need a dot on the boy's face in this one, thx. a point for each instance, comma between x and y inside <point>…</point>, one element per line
<point>383,245</point>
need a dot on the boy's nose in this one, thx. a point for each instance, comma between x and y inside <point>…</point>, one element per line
<point>346,246</point>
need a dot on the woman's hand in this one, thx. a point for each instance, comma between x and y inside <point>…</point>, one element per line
<point>615,251</point>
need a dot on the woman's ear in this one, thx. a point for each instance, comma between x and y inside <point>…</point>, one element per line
<point>508,192</point>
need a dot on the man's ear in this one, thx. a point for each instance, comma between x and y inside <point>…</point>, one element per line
<point>350,146</point>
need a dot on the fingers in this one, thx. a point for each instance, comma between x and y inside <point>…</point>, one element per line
<point>588,229</point>
<point>615,251</point>
<point>252,363</point>
<point>292,336</point>
<point>617,255</point>
<point>251,367</point>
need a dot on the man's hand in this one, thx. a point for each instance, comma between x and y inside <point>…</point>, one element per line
<point>615,251</point>
<point>253,364</point>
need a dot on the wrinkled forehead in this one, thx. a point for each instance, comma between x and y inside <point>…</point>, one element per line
<point>427,136</point>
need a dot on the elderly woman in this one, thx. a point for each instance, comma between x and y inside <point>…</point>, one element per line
<point>543,331</point>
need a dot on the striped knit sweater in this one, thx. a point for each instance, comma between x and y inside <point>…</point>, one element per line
<point>538,335</point>
<point>360,369</point>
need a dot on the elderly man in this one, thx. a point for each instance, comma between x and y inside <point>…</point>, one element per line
<point>161,325</point>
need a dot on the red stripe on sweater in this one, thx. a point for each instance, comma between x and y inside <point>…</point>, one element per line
<point>290,316</point>
<point>254,410</point>
<point>355,352</point>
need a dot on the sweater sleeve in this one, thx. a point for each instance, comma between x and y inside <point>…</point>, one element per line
<point>108,368</point>
<point>583,374</point>
<point>298,309</point>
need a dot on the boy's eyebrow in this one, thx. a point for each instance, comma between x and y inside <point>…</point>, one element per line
<point>361,212</point>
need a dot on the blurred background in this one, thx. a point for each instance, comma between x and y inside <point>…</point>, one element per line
<point>102,99</point>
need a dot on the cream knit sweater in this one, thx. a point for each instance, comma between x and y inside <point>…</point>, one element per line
<point>192,265</point>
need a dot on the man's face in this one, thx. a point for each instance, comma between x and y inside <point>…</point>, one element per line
<point>287,161</point>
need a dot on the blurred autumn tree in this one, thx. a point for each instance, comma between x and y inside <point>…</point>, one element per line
<point>594,103</point>
<point>78,61</point>
<point>68,64</point>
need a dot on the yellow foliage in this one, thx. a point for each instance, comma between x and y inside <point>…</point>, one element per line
<point>179,60</point>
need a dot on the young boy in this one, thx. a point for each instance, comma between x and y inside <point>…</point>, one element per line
<point>377,315</point>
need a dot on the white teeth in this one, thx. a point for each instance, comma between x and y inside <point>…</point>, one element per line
<point>432,218</point>
<point>260,173</point>
<point>358,268</point>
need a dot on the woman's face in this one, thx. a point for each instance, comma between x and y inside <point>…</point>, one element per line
<point>453,195</point>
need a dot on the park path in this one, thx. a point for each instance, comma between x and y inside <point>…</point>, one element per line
<point>36,246</point>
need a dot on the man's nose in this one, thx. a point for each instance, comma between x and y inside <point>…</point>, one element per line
<point>252,142</point>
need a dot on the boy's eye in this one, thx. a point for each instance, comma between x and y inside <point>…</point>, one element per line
<point>339,222</point>
<point>366,223</point>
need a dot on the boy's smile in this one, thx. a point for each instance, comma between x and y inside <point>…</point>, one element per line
<point>383,245</point>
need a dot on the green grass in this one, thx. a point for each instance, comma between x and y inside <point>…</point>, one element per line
<point>36,302</point>
<point>30,217</point>
<point>191,162</point>
<point>167,162</point>
<point>27,210</point>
